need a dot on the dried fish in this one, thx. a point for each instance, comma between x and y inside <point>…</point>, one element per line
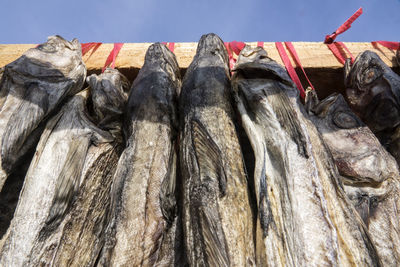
<point>31,89</point>
<point>143,227</point>
<point>373,92</point>
<point>369,173</point>
<point>61,214</point>
<point>305,216</point>
<point>217,218</point>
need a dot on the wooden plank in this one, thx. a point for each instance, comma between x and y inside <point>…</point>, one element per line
<point>312,54</point>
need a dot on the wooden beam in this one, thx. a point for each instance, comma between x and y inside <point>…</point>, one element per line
<point>314,55</point>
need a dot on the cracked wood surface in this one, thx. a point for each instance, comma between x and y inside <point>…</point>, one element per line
<point>311,54</point>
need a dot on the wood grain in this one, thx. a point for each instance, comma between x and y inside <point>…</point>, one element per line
<point>311,54</point>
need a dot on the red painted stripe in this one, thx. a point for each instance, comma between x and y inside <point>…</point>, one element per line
<point>289,67</point>
<point>112,56</point>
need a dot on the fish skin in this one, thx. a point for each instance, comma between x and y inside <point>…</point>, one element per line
<point>52,180</point>
<point>369,173</point>
<point>109,100</point>
<point>298,171</point>
<point>32,88</point>
<point>373,92</point>
<point>143,225</point>
<point>218,225</point>
<point>79,237</point>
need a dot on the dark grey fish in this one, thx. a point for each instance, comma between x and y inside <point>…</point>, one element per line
<point>369,173</point>
<point>61,215</point>
<point>373,92</point>
<point>305,217</point>
<point>143,221</point>
<point>79,237</point>
<point>31,88</point>
<point>217,218</point>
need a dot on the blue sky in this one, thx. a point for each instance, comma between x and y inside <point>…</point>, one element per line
<point>185,21</point>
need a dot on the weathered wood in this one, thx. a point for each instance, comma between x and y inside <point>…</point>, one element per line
<point>311,54</point>
<point>323,69</point>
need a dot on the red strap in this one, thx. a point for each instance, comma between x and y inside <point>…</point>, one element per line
<point>289,68</point>
<point>171,47</point>
<point>390,45</point>
<point>233,47</point>
<point>230,55</point>
<point>336,53</point>
<point>338,49</point>
<point>86,47</point>
<point>112,56</point>
<point>260,44</point>
<point>344,27</point>
<point>237,46</point>
<point>343,46</point>
<point>292,51</point>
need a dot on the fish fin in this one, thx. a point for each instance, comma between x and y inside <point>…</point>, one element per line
<point>287,117</point>
<point>347,69</point>
<point>311,100</point>
<point>322,108</point>
<point>168,189</point>
<point>22,123</point>
<point>215,248</point>
<point>67,183</point>
<point>204,206</point>
<point>264,206</point>
<point>363,208</point>
<point>208,155</point>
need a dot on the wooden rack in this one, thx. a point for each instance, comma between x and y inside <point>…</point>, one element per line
<point>324,70</point>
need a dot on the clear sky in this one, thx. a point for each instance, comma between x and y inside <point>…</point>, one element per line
<point>185,21</point>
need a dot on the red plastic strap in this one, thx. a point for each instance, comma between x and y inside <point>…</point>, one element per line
<point>344,27</point>
<point>342,45</point>
<point>337,53</point>
<point>390,45</point>
<point>86,47</point>
<point>112,56</point>
<point>289,68</point>
<point>233,47</point>
<point>232,61</point>
<point>237,46</point>
<point>338,49</point>
<point>260,44</point>
<point>171,46</point>
<point>293,52</point>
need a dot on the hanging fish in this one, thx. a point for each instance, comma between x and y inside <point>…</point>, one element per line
<point>144,227</point>
<point>218,221</point>
<point>31,89</point>
<point>369,173</point>
<point>61,214</point>
<point>303,213</point>
<point>373,92</point>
